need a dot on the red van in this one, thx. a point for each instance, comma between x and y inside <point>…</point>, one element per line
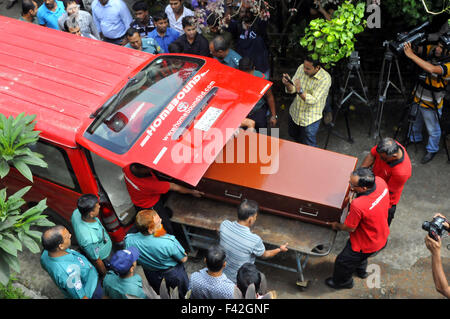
<point>101,107</point>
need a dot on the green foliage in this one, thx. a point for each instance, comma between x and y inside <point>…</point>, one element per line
<point>8,291</point>
<point>15,137</point>
<point>331,41</point>
<point>411,12</point>
<point>15,230</point>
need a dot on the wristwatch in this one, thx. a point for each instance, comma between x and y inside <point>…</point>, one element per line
<point>275,116</point>
<point>300,92</point>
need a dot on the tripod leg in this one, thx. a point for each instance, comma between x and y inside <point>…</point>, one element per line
<point>350,138</point>
<point>361,82</point>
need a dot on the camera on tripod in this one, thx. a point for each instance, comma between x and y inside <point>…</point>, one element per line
<point>415,37</point>
<point>436,227</point>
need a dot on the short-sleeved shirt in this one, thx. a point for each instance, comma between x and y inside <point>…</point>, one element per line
<point>395,174</point>
<point>232,59</point>
<point>144,192</point>
<point>49,18</point>
<point>308,111</point>
<point>368,215</point>
<point>170,36</point>
<point>173,22</point>
<point>149,45</point>
<point>143,29</point>
<point>241,246</point>
<point>204,286</point>
<point>156,253</point>
<point>74,275</point>
<point>116,287</point>
<point>431,92</point>
<point>92,237</point>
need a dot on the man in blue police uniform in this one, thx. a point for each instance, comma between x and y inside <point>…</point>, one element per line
<point>90,233</point>
<point>49,13</point>
<point>221,50</point>
<point>135,41</point>
<point>70,271</point>
<point>161,255</point>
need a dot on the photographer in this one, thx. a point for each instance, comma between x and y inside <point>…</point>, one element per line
<point>429,95</point>
<point>440,281</point>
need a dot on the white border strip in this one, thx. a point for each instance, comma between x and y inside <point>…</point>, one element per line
<point>161,153</point>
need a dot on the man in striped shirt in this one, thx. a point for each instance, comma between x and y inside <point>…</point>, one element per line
<point>240,244</point>
<point>311,84</point>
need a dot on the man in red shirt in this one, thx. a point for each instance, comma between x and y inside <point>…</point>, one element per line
<point>146,191</point>
<point>367,224</point>
<point>390,161</point>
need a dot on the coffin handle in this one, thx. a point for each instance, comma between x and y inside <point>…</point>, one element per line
<point>232,195</point>
<point>301,211</point>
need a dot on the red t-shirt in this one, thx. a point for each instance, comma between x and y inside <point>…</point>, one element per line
<point>368,215</point>
<point>395,173</point>
<point>144,191</point>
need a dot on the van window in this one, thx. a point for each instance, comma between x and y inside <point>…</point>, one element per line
<point>59,169</point>
<point>111,179</point>
<point>127,115</point>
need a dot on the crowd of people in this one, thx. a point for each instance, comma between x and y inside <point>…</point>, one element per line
<point>376,186</point>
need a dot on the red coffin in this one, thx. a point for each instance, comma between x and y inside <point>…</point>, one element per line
<point>285,178</point>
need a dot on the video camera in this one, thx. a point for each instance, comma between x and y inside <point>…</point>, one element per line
<point>415,37</point>
<point>435,228</point>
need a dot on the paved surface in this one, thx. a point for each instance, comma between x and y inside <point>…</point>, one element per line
<point>404,265</point>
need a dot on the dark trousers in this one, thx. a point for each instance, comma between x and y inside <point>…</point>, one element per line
<point>391,213</point>
<point>163,212</point>
<point>98,293</point>
<point>304,134</point>
<point>175,277</point>
<point>260,117</point>
<point>348,262</point>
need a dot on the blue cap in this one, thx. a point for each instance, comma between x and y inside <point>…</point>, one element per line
<point>122,260</point>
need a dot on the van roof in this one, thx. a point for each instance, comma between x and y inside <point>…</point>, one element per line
<point>60,77</point>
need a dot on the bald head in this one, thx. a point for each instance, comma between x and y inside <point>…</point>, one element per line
<point>53,237</point>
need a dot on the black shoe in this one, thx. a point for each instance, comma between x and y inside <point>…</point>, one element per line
<point>10,4</point>
<point>428,157</point>
<point>330,283</point>
<point>362,275</point>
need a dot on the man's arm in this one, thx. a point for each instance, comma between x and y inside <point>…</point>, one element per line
<point>440,281</point>
<point>185,190</point>
<point>100,266</point>
<point>274,252</point>
<point>273,111</point>
<point>368,160</point>
<point>426,66</point>
<point>342,227</point>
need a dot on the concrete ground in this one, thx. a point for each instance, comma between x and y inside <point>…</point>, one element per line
<point>404,266</point>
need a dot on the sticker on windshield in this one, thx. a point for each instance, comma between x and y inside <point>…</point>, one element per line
<point>208,119</point>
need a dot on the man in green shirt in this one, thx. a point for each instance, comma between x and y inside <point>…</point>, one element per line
<point>161,255</point>
<point>90,233</point>
<point>122,280</point>
<point>29,11</point>
<point>70,271</point>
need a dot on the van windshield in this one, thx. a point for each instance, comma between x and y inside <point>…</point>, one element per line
<point>128,114</point>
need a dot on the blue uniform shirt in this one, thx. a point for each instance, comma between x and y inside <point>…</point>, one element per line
<point>117,288</point>
<point>170,36</point>
<point>48,17</point>
<point>92,237</point>
<point>149,45</point>
<point>72,273</point>
<point>156,253</point>
<point>232,59</point>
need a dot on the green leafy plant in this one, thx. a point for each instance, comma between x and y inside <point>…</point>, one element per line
<point>16,135</point>
<point>331,41</point>
<point>15,230</point>
<point>411,12</point>
<point>8,291</point>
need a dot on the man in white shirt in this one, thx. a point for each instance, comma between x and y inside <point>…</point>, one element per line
<point>176,11</point>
